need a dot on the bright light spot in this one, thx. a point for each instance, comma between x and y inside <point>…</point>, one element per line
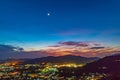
<point>48,14</point>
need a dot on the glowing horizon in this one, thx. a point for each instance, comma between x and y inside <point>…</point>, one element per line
<point>32,28</point>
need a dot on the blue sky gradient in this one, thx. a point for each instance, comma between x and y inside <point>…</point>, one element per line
<point>26,23</point>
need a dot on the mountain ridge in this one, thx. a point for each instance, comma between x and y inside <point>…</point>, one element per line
<point>62,59</point>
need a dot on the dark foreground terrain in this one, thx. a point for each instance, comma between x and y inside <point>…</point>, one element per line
<point>107,68</point>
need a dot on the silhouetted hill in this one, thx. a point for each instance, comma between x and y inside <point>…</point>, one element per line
<point>62,59</point>
<point>20,61</point>
<point>109,64</point>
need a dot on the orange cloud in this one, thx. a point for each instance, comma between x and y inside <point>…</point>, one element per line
<point>87,49</point>
<point>64,48</point>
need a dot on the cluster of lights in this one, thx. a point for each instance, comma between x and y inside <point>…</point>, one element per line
<point>68,65</point>
<point>42,71</point>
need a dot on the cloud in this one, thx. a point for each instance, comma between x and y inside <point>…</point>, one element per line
<point>74,43</point>
<point>77,44</point>
<point>86,49</point>
<point>7,51</point>
<point>97,47</point>
<point>54,46</point>
<point>9,48</point>
<point>97,44</point>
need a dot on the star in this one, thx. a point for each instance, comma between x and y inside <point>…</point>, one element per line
<point>48,14</point>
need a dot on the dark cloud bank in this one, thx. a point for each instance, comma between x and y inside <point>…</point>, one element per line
<point>9,51</point>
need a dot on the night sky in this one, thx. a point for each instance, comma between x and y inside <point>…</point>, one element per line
<point>37,28</point>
